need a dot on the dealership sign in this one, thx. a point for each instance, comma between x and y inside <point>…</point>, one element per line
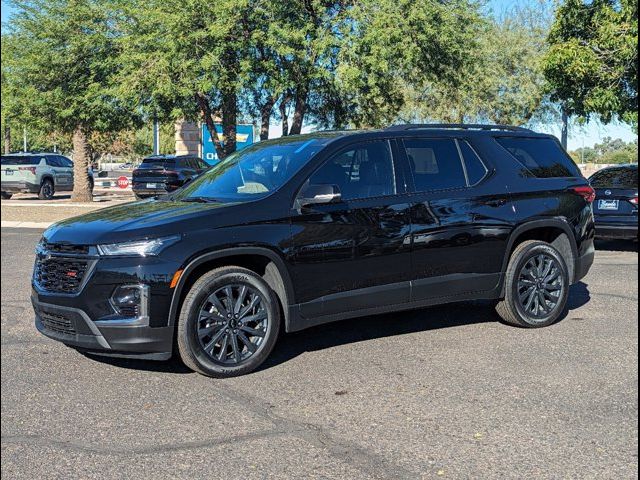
<point>244,138</point>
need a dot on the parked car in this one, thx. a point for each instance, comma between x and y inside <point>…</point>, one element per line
<point>160,174</point>
<point>41,173</point>
<point>616,205</point>
<point>304,230</point>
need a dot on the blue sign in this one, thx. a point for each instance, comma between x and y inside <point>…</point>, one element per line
<point>244,138</point>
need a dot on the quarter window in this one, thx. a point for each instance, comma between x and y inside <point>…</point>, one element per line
<point>542,156</point>
<point>363,171</point>
<point>435,164</point>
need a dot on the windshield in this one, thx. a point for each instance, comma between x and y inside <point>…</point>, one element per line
<point>255,171</point>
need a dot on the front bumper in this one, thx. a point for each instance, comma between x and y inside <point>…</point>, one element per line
<point>73,327</point>
<point>20,187</point>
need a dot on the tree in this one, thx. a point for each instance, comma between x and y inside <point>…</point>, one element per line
<point>60,73</point>
<point>592,63</point>
<point>502,80</point>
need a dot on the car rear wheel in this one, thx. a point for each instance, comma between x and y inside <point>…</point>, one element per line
<point>228,324</point>
<point>6,195</point>
<point>536,286</point>
<point>46,190</point>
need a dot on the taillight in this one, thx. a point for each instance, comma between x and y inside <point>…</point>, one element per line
<point>30,169</point>
<point>634,201</point>
<point>135,172</point>
<point>586,192</point>
<point>171,173</point>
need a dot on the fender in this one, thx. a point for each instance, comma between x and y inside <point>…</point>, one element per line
<point>556,222</point>
<point>232,252</point>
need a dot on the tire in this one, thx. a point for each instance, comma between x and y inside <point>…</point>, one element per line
<point>91,184</point>
<point>220,360</point>
<point>47,190</point>
<point>526,287</point>
<point>139,197</point>
<point>6,195</point>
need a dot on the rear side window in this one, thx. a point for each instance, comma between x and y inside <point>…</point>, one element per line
<point>158,163</point>
<point>542,156</point>
<point>476,170</point>
<point>16,160</point>
<point>626,178</point>
<point>435,164</point>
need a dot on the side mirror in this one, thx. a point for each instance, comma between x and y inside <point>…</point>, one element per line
<point>318,195</point>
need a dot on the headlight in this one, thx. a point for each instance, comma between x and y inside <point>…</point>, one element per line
<point>139,248</point>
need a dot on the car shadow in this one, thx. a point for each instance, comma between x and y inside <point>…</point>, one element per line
<point>367,328</point>
<point>355,330</point>
<point>617,245</point>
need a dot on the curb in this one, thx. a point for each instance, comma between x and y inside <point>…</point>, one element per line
<point>12,224</point>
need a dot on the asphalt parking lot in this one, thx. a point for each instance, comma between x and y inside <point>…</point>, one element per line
<point>446,392</point>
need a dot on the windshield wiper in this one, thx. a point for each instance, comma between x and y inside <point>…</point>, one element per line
<point>200,200</point>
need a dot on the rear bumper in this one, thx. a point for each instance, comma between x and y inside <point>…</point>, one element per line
<point>73,327</point>
<point>19,187</point>
<point>584,264</point>
<point>617,231</point>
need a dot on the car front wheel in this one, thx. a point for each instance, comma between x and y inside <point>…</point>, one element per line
<point>228,324</point>
<point>536,286</point>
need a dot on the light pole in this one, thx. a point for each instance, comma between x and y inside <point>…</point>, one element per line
<point>156,136</point>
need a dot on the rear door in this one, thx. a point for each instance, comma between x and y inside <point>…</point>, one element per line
<point>449,252</point>
<point>354,254</point>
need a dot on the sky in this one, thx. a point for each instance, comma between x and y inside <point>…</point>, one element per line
<point>583,136</point>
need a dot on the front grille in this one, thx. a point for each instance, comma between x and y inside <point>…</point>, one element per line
<point>66,248</point>
<point>60,275</point>
<point>57,323</point>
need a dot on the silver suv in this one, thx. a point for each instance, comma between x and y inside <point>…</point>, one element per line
<point>41,173</point>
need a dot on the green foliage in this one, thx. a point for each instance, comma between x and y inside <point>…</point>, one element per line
<point>592,64</point>
<point>608,152</point>
<point>501,79</point>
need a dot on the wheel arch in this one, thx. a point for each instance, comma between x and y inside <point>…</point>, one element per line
<point>261,260</point>
<point>556,232</point>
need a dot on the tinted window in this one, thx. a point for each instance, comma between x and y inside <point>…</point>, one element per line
<point>255,171</point>
<point>363,171</point>
<point>435,164</point>
<point>65,162</point>
<point>544,157</point>
<point>158,163</point>
<point>16,160</point>
<point>616,178</point>
<point>476,170</point>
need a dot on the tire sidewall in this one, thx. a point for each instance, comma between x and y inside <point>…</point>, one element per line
<point>520,262</point>
<point>190,315</point>
<point>43,193</point>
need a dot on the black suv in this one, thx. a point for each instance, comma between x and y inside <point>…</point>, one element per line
<point>160,174</point>
<point>304,230</point>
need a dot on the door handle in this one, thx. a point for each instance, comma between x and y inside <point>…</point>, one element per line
<point>501,202</point>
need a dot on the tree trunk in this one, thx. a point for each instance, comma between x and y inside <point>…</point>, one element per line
<point>564,135</point>
<point>7,139</point>
<point>284,103</point>
<point>229,120</point>
<point>299,110</point>
<point>81,184</point>
<point>207,115</point>
<point>265,118</point>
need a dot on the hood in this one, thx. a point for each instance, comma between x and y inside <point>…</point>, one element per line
<point>137,220</point>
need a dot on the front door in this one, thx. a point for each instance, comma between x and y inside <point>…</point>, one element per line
<point>354,254</point>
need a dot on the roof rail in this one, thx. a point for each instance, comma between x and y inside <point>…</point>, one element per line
<point>456,126</point>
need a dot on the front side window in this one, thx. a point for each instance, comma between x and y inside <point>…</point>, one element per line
<point>254,172</point>
<point>435,164</point>
<point>543,157</point>
<point>362,171</point>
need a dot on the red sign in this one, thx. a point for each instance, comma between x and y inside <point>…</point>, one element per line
<point>123,182</point>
